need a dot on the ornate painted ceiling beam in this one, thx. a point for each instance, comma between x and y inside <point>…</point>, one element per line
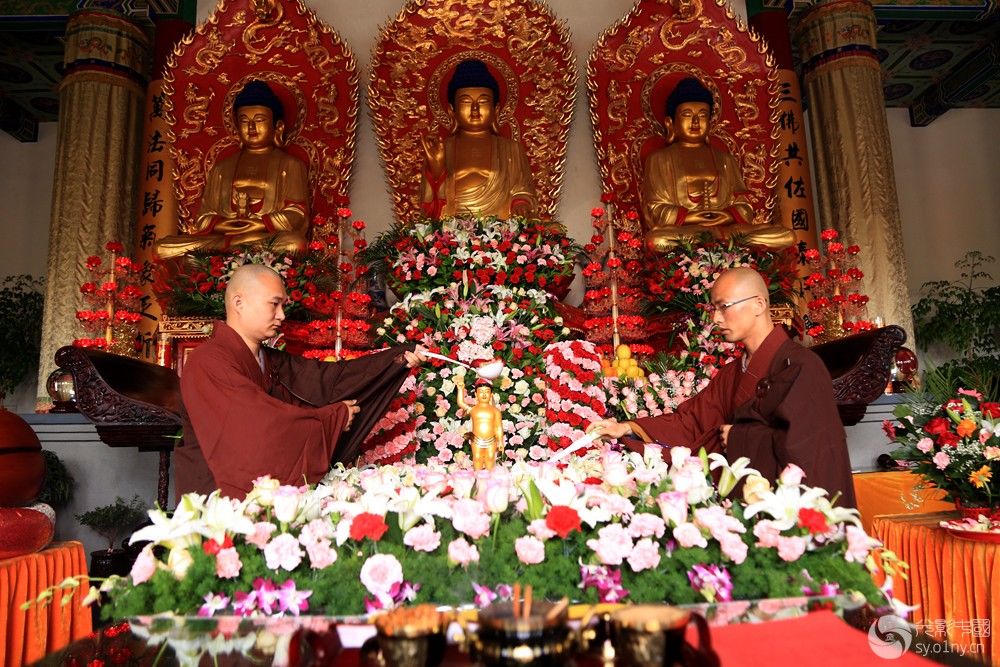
<point>961,84</point>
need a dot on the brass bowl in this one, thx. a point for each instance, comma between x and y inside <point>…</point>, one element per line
<point>505,641</point>
<point>412,650</point>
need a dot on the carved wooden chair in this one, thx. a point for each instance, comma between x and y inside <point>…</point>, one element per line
<point>131,403</point>
<point>860,366</point>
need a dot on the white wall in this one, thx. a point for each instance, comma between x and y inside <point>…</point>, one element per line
<point>948,182</point>
<point>25,202</point>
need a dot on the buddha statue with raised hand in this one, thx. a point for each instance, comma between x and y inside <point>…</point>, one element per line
<point>260,193</point>
<point>690,187</point>
<point>475,170</point>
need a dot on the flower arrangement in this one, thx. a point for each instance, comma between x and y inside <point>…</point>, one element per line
<point>613,301</point>
<point>836,308</point>
<point>955,446</point>
<point>574,394</point>
<point>114,296</point>
<point>472,289</point>
<point>492,322</point>
<point>603,527</point>
<point>514,253</point>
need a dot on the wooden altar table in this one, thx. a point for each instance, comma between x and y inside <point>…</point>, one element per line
<point>27,635</point>
<point>894,492</point>
<point>955,581</point>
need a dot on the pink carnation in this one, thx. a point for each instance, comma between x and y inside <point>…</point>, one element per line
<point>469,517</point>
<point>261,533</point>
<point>462,553</point>
<point>734,548</point>
<point>766,533</point>
<point>540,529</point>
<point>227,563</point>
<point>925,445</point>
<point>941,460</point>
<point>321,554</point>
<point>645,555</point>
<point>284,552</point>
<point>145,565</point>
<point>380,573</point>
<point>791,548</point>
<point>530,550</point>
<point>613,544</point>
<point>646,525</point>
<point>689,535</point>
<point>422,538</point>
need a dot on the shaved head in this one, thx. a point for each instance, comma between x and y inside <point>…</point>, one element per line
<point>744,280</point>
<point>246,278</point>
<point>255,299</point>
<point>741,307</point>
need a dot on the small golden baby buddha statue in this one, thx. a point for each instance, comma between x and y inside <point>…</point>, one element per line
<point>487,424</point>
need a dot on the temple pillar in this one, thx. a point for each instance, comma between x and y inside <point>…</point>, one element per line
<point>855,180</point>
<point>793,191</point>
<point>97,153</point>
<point>156,208</point>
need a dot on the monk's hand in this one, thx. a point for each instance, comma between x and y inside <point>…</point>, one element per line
<point>609,428</point>
<point>415,358</point>
<point>352,409</point>
<point>724,434</point>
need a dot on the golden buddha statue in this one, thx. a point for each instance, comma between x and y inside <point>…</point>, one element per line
<point>691,187</point>
<point>475,170</point>
<point>257,194</point>
<point>487,424</point>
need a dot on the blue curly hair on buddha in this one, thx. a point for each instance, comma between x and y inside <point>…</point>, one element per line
<point>473,73</point>
<point>689,90</point>
<point>259,94</point>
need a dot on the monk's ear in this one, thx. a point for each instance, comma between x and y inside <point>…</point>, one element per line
<point>279,133</point>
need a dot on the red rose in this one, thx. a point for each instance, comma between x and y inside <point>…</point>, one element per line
<point>936,425</point>
<point>948,439</point>
<point>813,520</point>
<point>368,525</point>
<point>991,410</point>
<point>562,520</point>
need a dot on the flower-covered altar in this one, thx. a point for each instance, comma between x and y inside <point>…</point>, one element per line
<point>604,527</point>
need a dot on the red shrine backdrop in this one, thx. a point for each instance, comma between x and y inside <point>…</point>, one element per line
<point>526,49</point>
<point>304,61</point>
<point>638,61</point>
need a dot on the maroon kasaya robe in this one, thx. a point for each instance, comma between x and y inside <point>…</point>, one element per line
<point>781,409</point>
<point>287,421</point>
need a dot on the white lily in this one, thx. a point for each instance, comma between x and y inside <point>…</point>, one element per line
<point>181,529</point>
<point>731,472</point>
<point>223,515</point>
<point>783,504</point>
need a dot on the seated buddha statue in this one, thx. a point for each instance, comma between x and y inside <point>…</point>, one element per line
<point>259,193</point>
<point>690,187</point>
<point>475,170</point>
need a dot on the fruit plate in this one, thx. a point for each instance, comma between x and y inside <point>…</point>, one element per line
<point>983,530</point>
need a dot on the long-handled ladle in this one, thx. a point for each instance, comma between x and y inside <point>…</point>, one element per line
<point>489,371</point>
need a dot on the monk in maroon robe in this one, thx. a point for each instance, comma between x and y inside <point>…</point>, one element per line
<point>252,410</point>
<point>775,406</point>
